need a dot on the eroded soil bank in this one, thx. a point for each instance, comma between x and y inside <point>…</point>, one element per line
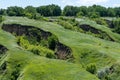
<point>101,34</point>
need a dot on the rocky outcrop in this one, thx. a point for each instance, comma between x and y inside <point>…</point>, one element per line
<point>61,51</point>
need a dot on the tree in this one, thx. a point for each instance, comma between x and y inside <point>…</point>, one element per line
<point>93,15</point>
<point>30,11</point>
<point>49,10</point>
<point>1,18</point>
<point>84,10</point>
<point>15,11</point>
<point>2,12</point>
<point>99,9</point>
<point>43,10</point>
<point>117,11</point>
<point>110,12</point>
<point>79,14</point>
<point>70,11</point>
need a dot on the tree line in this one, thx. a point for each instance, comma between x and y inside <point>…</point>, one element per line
<point>55,10</point>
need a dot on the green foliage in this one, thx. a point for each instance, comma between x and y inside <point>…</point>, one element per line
<point>50,55</point>
<point>91,68</point>
<point>93,15</point>
<point>30,9</point>
<point>36,49</point>
<point>79,14</point>
<point>1,18</point>
<point>49,10</point>
<point>116,23</point>
<point>111,12</point>
<point>102,11</point>
<point>66,25</point>
<point>84,10</point>
<point>52,41</point>
<point>29,15</point>
<point>55,10</point>
<point>3,12</point>
<point>69,23</point>
<point>70,11</point>
<point>15,11</point>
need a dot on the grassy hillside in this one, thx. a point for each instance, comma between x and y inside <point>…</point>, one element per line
<point>26,66</point>
<point>86,49</point>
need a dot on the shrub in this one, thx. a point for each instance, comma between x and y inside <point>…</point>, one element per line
<point>93,15</point>
<point>36,49</point>
<point>1,18</point>
<point>52,42</point>
<point>91,68</point>
<point>50,55</point>
<point>80,14</point>
<point>66,25</point>
<point>29,15</point>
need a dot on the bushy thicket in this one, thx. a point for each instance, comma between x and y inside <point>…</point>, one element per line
<point>69,23</point>
<point>36,49</point>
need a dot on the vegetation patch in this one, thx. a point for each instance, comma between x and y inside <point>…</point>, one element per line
<point>109,73</point>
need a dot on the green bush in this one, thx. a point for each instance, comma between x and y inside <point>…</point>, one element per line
<point>50,55</point>
<point>1,18</point>
<point>93,15</point>
<point>52,42</point>
<point>66,25</point>
<point>91,68</point>
<point>36,49</point>
<point>29,15</point>
<point>80,14</point>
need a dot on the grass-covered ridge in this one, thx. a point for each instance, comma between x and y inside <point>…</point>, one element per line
<point>86,49</point>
